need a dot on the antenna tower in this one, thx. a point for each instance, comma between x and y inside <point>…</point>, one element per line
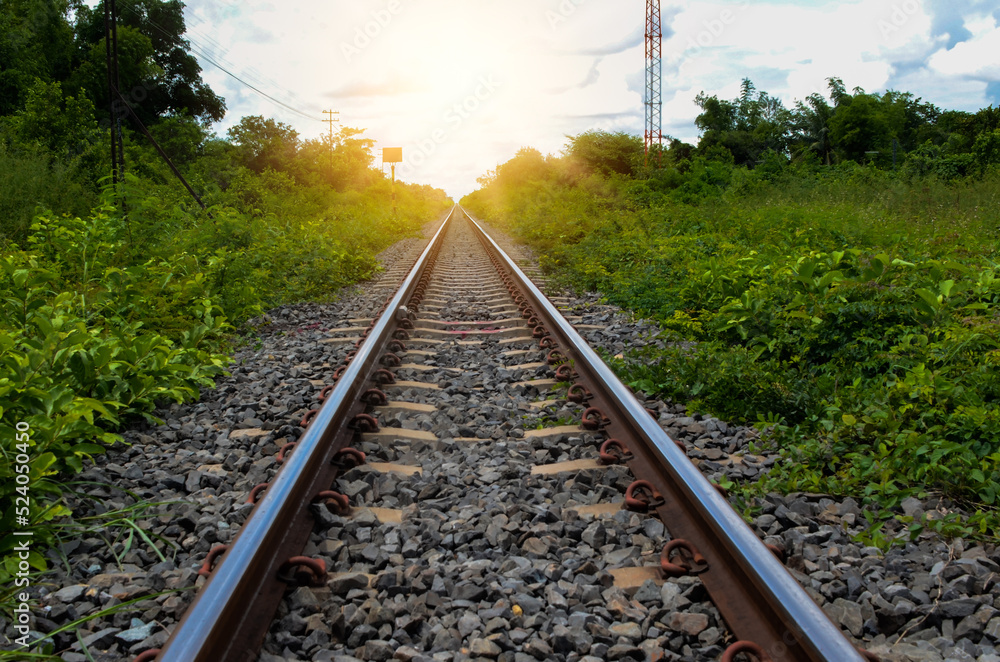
<point>654,72</point>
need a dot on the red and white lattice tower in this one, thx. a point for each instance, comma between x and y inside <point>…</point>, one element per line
<point>654,71</point>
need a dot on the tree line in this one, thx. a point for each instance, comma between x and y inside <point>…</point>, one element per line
<point>754,141</point>
<point>56,119</point>
<point>884,130</point>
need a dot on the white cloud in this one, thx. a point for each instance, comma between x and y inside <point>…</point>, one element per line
<point>978,57</point>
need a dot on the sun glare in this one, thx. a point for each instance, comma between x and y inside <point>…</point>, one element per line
<point>445,55</point>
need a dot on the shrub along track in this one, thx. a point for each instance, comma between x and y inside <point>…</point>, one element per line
<point>482,525</point>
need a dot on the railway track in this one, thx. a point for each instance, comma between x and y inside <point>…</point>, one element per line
<point>408,467</point>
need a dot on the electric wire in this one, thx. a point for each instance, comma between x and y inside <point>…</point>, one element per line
<point>202,52</point>
<point>208,43</point>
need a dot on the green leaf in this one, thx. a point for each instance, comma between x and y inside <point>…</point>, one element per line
<point>88,449</point>
<point>929,297</point>
<point>828,279</point>
<point>806,270</point>
<point>41,463</point>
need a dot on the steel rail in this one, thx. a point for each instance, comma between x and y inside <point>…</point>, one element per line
<point>757,597</point>
<point>229,618</point>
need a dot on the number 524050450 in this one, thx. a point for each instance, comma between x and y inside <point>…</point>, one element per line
<point>21,467</point>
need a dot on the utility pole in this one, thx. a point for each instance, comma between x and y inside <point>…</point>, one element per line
<point>331,120</point>
<point>118,106</point>
<point>163,155</point>
<point>111,54</point>
<point>392,155</point>
<point>654,72</point>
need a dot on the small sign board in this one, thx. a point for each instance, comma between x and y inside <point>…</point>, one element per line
<point>392,155</point>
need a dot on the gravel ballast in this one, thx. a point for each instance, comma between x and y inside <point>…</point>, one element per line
<point>488,561</point>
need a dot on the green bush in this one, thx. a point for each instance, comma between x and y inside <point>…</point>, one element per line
<point>86,345</point>
<point>879,373</point>
<point>31,179</point>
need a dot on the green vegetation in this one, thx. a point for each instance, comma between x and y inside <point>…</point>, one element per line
<point>116,299</point>
<point>851,309</point>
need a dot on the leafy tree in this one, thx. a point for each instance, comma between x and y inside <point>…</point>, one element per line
<point>181,137</point>
<point>352,159</point>
<point>346,164</point>
<point>909,120</point>
<point>172,85</point>
<point>528,165</point>
<point>137,70</point>
<point>263,143</point>
<point>968,126</point>
<point>810,132</point>
<point>986,149</point>
<point>36,42</point>
<point>487,179</point>
<point>747,126</point>
<point>54,122</point>
<point>859,126</point>
<point>838,92</point>
<point>607,153</point>
<point>718,117</point>
<point>50,154</point>
<point>680,152</point>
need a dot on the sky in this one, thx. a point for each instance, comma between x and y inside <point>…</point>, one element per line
<point>462,85</point>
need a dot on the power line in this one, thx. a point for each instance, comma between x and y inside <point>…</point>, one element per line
<point>200,50</point>
<point>206,53</point>
<point>261,92</point>
<point>209,52</point>
<point>248,72</point>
